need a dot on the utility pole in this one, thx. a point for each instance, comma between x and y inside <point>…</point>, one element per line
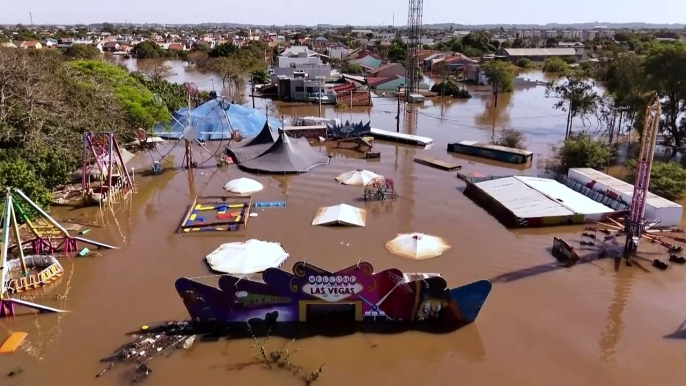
<point>252,89</point>
<point>397,115</point>
<point>31,17</point>
<point>320,97</point>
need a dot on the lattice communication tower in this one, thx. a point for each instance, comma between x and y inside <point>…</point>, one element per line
<point>414,31</point>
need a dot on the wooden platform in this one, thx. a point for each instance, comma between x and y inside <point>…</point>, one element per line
<point>447,166</point>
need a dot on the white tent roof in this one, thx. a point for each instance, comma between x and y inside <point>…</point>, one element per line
<point>357,177</point>
<point>340,214</point>
<point>418,246</point>
<point>243,186</point>
<point>242,258</point>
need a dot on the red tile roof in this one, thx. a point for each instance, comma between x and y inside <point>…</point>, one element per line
<point>385,66</point>
<point>344,87</point>
<point>373,81</point>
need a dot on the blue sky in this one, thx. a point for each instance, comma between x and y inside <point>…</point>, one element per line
<point>355,12</point>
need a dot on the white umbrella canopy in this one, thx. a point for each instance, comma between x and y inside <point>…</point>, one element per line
<point>243,186</point>
<point>341,214</point>
<point>357,177</point>
<point>242,258</point>
<point>418,246</point>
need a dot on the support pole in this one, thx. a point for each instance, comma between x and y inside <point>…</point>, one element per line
<point>5,243</point>
<point>397,115</point>
<point>110,159</point>
<point>24,269</point>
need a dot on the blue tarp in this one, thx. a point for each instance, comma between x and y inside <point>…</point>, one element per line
<point>210,121</point>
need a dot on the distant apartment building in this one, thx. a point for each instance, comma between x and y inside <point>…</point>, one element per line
<point>607,33</point>
<point>550,34</point>
<point>572,34</point>
<point>529,33</point>
<point>591,34</point>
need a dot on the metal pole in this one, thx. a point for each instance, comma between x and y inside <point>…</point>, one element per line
<point>5,243</point>
<point>320,97</point>
<point>24,269</point>
<point>110,158</point>
<point>252,89</point>
<point>397,115</point>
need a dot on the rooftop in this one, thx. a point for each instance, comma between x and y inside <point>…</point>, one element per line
<point>540,51</point>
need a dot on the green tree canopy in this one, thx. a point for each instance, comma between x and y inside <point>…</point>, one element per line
<point>583,151</point>
<point>135,99</point>
<point>500,76</point>
<point>667,179</point>
<point>81,51</point>
<point>150,50</point>
<point>223,50</point>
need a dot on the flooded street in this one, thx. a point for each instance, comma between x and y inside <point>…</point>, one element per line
<point>586,325</point>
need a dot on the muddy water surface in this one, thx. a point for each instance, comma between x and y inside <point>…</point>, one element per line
<point>585,325</point>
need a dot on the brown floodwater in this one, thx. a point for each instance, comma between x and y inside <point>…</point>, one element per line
<point>582,325</point>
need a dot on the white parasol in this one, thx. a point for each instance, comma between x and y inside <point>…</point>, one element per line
<point>242,258</point>
<point>243,186</point>
<point>357,177</point>
<point>341,214</point>
<point>418,246</point>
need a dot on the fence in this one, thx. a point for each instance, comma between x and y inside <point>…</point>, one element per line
<point>354,98</point>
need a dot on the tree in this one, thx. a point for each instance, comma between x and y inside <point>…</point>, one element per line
<point>82,51</point>
<point>500,76</point>
<point>197,58</point>
<point>625,81</point>
<point>667,179</point>
<point>577,97</point>
<point>583,151</point>
<point>666,74</point>
<point>352,68</point>
<point>135,99</point>
<point>228,71</point>
<point>174,95</point>
<point>223,50</point>
<point>45,106</point>
<point>555,64</point>
<point>149,50</point>
<point>260,76</point>
<point>479,42</point>
<point>511,138</point>
<point>154,69</point>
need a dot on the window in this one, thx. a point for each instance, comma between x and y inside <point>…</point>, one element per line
<point>299,88</point>
<point>310,90</point>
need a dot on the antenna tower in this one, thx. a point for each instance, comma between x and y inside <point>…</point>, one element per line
<point>414,31</point>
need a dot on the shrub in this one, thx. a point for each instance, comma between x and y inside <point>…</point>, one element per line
<point>525,63</point>
<point>555,64</point>
<point>449,88</point>
<point>583,151</point>
<point>511,138</point>
<point>667,179</point>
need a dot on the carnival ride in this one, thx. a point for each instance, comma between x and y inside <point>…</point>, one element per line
<point>192,131</point>
<point>635,226</point>
<point>380,189</point>
<point>102,159</point>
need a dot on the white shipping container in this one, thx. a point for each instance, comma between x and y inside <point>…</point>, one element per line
<point>659,209</point>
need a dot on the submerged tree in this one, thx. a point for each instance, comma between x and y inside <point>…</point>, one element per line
<point>500,76</point>
<point>666,74</point>
<point>576,95</point>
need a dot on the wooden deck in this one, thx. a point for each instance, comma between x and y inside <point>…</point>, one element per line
<point>447,166</point>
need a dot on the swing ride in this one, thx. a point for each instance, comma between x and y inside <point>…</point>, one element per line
<point>103,160</point>
<point>194,131</point>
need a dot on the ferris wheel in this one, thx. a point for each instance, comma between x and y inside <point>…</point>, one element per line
<point>191,133</point>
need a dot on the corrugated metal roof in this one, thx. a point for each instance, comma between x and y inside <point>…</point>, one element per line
<point>624,187</point>
<point>496,147</point>
<point>529,197</point>
<point>540,51</point>
<point>576,202</point>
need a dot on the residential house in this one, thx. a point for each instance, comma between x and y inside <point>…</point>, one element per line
<point>390,83</point>
<point>29,44</point>
<point>305,90</point>
<point>453,64</point>
<point>124,48</point>
<point>367,61</point>
<point>337,52</point>
<point>388,70</point>
<point>177,47</point>
<point>319,43</point>
<point>535,54</point>
<point>430,61</point>
<point>49,43</point>
<point>297,55</point>
<point>110,46</point>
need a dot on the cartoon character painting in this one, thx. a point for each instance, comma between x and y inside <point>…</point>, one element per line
<point>431,309</point>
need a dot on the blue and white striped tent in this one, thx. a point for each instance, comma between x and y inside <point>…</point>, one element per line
<point>214,120</point>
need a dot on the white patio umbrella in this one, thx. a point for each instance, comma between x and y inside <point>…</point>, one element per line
<point>243,186</point>
<point>242,258</point>
<point>341,214</point>
<point>418,246</point>
<point>357,177</point>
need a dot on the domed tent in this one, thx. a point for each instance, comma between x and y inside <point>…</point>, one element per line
<point>215,120</point>
<point>285,156</point>
<point>252,148</point>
